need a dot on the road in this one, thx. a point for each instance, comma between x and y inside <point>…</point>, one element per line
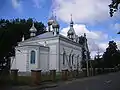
<point>102,82</point>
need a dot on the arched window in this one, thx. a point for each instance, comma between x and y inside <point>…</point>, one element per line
<point>32,59</point>
<point>73,58</point>
<point>77,59</point>
<point>63,58</point>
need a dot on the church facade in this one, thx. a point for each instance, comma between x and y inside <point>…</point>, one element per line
<point>50,50</point>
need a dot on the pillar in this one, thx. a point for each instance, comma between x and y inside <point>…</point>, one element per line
<point>36,77</point>
<point>65,74</point>
<point>53,75</point>
<point>14,75</point>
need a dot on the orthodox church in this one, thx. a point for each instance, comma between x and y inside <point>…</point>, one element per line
<point>50,50</point>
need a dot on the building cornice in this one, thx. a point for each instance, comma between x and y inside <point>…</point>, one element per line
<point>31,45</point>
<point>59,37</point>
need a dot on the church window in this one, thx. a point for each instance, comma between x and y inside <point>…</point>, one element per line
<point>77,59</point>
<point>72,58</point>
<point>32,60</point>
<point>63,58</point>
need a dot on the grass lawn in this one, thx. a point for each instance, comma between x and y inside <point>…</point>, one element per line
<point>27,80</point>
<point>24,80</point>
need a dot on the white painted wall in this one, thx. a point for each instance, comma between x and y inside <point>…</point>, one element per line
<point>53,57</point>
<point>44,59</point>
<point>48,58</point>
<point>53,52</point>
<point>68,47</point>
<point>21,59</point>
<point>13,63</point>
<point>33,66</point>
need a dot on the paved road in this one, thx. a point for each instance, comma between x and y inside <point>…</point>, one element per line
<point>102,82</point>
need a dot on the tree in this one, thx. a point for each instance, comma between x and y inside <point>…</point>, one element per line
<point>114,6</point>
<point>11,32</point>
<point>112,55</point>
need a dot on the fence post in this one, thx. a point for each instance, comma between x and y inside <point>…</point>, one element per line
<point>53,75</point>
<point>65,74</point>
<point>36,77</point>
<point>75,73</point>
<point>85,72</point>
<point>14,75</point>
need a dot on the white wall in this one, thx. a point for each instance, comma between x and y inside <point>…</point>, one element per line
<point>53,57</point>
<point>49,58</point>
<point>56,61</point>
<point>44,59</point>
<point>33,66</point>
<point>53,52</point>
<point>21,60</point>
<point>68,47</point>
<point>13,63</point>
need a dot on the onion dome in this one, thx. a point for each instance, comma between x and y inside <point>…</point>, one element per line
<point>55,24</point>
<point>51,20</point>
<point>33,29</point>
<point>70,31</point>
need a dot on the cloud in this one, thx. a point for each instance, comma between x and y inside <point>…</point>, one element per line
<point>17,5</point>
<point>83,11</point>
<point>80,29</point>
<point>95,41</point>
<point>103,46</point>
<point>117,26</point>
<point>118,44</point>
<point>38,3</point>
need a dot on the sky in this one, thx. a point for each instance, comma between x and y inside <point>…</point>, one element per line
<point>89,16</point>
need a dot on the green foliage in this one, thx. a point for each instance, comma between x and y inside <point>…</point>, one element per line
<point>114,6</point>
<point>11,32</point>
<point>112,55</point>
<point>110,58</point>
<point>98,61</point>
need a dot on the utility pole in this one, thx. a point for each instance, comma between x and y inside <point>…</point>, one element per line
<point>87,68</point>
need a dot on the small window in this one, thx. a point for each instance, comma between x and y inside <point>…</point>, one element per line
<point>72,58</point>
<point>63,58</point>
<point>77,59</point>
<point>32,60</point>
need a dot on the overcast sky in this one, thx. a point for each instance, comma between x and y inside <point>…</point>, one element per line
<point>89,16</point>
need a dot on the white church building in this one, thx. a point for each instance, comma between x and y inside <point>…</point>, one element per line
<point>49,50</point>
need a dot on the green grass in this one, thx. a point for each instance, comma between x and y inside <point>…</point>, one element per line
<point>58,76</point>
<point>22,80</point>
<point>45,77</point>
<point>25,80</point>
